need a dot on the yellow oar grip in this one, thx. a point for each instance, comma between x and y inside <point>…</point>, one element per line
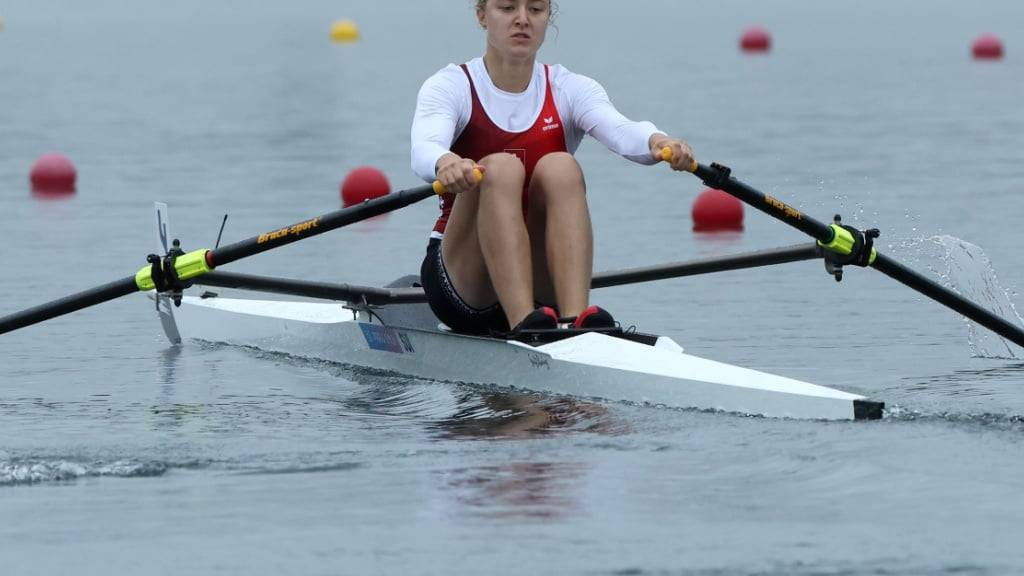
<point>439,188</point>
<point>666,155</point>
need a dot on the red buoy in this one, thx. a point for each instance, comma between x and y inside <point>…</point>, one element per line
<point>363,183</point>
<point>988,47</point>
<point>53,173</point>
<point>717,211</point>
<point>755,39</point>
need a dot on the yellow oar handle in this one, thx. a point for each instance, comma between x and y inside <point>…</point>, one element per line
<point>439,188</point>
<point>666,155</point>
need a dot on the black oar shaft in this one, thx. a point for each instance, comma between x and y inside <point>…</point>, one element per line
<point>770,205</point>
<point>374,295</point>
<point>222,256</point>
<point>309,289</point>
<point>943,295</point>
<point>318,225</point>
<point>68,304</point>
<point>712,176</point>
<point>706,266</point>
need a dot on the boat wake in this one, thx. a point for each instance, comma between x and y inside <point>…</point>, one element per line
<point>32,470</point>
<point>17,471</point>
<point>966,269</point>
<point>988,421</point>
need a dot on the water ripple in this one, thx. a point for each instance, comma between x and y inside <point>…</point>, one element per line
<point>22,472</point>
<point>983,420</point>
<point>809,569</point>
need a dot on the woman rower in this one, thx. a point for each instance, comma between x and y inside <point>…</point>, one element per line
<point>521,236</point>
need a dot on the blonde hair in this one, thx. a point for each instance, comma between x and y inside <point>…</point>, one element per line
<point>481,4</point>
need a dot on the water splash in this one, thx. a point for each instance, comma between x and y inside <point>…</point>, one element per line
<point>964,268</point>
<point>16,472</point>
<point>986,421</point>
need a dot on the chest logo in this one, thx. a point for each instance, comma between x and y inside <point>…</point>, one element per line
<point>550,124</point>
<point>518,153</point>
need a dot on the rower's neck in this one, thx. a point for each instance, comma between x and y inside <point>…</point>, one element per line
<point>509,75</point>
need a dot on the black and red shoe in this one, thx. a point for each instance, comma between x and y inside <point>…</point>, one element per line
<point>543,318</point>
<point>594,318</point>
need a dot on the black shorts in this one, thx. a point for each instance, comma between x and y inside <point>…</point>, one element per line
<point>446,303</point>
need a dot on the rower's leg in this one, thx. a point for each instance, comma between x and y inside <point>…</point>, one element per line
<point>486,248</point>
<point>560,231</point>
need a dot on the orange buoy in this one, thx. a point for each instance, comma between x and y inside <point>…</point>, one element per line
<point>717,211</point>
<point>755,39</point>
<point>988,47</point>
<point>363,183</point>
<point>53,173</point>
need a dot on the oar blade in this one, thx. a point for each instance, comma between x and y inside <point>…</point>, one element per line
<point>164,304</point>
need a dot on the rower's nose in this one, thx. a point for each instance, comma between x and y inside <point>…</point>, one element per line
<point>521,15</point>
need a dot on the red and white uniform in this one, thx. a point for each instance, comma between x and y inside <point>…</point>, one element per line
<point>460,110</point>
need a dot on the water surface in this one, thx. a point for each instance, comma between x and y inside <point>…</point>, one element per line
<point>120,453</point>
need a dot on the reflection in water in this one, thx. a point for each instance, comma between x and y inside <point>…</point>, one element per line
<point>711,244</point>
<point>399,405</point>
<point>166,412</point>
<point>449,411</point>
<point>169,366</point>
<point>526,490</point>
<point>510,415</point>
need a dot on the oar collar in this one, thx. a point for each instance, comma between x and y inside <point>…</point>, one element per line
<point>173,272</point>
<point>848,246</point>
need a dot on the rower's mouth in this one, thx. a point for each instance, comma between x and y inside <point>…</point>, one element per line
<point>522,35</point>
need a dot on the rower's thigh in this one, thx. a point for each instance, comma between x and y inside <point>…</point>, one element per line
<point>557,176</point>
<point>460,251</point>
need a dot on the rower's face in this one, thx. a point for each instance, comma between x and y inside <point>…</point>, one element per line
<point>515,27</point>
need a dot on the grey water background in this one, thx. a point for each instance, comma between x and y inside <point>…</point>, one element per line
<point>121,454</point>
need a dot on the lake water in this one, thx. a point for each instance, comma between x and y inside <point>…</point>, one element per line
<point>121,454</point>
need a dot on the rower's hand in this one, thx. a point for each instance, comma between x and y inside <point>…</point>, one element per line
<point>676,152</point>
<point>458,175</point>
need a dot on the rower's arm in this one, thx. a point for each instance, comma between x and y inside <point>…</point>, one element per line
<point>594,113</point>
<point>439,117</point>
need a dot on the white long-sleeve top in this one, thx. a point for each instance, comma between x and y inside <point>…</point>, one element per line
<point>445,103</point>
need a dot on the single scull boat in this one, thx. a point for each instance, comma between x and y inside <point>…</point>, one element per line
<point>406,339</point>
<point>391,329</point>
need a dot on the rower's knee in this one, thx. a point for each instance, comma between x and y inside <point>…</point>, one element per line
<point>557,178</point>
<point>503,171</point>
<point>560,173</point>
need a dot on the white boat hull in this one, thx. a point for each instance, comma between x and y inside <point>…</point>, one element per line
<point>590,365</point>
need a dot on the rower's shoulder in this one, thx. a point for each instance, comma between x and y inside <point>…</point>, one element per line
<point>450,80</point>
<point>451,72</point>
<point>563,78</point>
